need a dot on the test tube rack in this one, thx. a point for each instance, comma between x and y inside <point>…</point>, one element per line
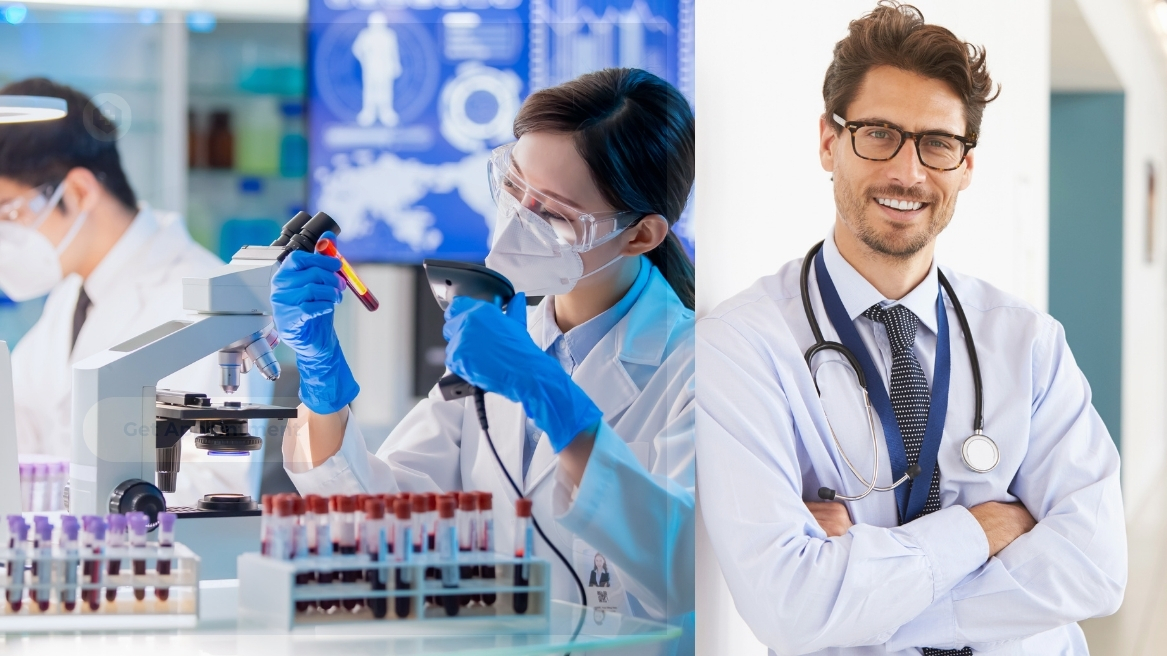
<point>268,595</point>
<point>125,612</point>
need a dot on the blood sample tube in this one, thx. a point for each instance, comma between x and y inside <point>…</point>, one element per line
<point>265,514</point>
<point>137,522</point>
<point>524,548</point>
<point>359,518</point>
<point>115,548</point>
<point>17,539</point>
<point>97,549</point>
<point>326,247</point>
<point>323,547</point>
<point>300,541</point>
<point>39,542</point>
<point>281,528</point>
<point>486,539</point>
<point>310,522</point>
<point>467,536</point>
<point>431,518</point>
<point>374,545</point>
<point>344,536</point>
<point>447,544</point>
<point>165,551</point>
<point>334,520</point>
<point>402,553</point>
<point>417,507</point>
<point>68,542</point>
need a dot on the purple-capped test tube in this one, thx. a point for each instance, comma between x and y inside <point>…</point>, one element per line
<point>115,541</point>
<point>17,538</point>
<point>98,530</point>
<point>42,562</point>
<point>68,542</point>
<point>165,550</point>
<point>138,522</point>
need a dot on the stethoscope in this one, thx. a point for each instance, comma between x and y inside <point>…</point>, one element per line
<point>979,452</point>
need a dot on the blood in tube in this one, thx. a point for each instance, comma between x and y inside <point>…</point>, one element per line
<point>346,539</point>
<point>137,522</point>
<point>323,547</point>
<point>524,546</point>
<point>311,521</point>
<point>467,532</point>
<point>486,539</point>
<point>97,550</point>
<point>403,553</point>
<point>165,550</point>
<point>17,536</point>
<point>42,549</point>
<point>300,544</point>
<point>68,542</point>
<point>265,514</point>
<point>447,544</point>
<point>374,545</point>
<point>326,247</point>
<point>115,541</point>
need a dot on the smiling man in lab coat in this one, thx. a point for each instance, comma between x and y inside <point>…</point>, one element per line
<point>71,227</point>
<point>1000,555</point>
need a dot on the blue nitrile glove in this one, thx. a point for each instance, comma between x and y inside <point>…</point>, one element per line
<point>304,293</point>
<point>493,351</point>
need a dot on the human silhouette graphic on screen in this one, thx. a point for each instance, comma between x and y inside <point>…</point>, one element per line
<point>376,49</point>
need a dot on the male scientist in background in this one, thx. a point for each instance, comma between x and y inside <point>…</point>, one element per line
<point>71,227</point>
<point>989,546</point>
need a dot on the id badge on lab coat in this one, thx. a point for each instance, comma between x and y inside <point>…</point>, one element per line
<point>601,581</point>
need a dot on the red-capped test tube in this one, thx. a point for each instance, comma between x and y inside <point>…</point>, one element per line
<point>486,539</point>
<point>165,551</point>
<point>374,544</point>
<point>403,552</point>
<point>326,247</point>
<point>447,544</point>
<point>524,546</point>
<point>323,546</point>
<point>467,537</point>
<point>344,535</point>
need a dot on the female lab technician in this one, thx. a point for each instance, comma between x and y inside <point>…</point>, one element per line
<point>590,394</point>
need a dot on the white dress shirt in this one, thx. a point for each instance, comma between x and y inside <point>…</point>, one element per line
<point>764,446</point>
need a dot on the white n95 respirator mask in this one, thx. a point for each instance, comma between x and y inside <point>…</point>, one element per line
<point>30,265</point>
<point>530,254</point>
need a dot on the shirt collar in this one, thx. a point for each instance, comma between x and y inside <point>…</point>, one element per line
<point>858,294</point>
<point>584,337</point>
<point>105,277</point>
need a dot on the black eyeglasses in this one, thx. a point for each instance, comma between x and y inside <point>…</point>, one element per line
<point>880,142</point>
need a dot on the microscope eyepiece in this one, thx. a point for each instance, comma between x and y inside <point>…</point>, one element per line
<point>306,239</point>
<point>293,226</point>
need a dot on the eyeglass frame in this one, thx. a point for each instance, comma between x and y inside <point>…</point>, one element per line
<point>13,205</point>
<point>968,142</point>
<point>587,220</point>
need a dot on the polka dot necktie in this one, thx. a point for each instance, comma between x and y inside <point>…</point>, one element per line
<point>910,399</point>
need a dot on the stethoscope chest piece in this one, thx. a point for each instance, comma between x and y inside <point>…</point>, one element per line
<point>980,453</point>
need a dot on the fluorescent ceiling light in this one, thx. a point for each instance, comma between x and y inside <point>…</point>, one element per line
<point>24,109</point>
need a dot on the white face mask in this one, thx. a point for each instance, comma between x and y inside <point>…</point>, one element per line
<point>30,266</point>
<point>527,251</point>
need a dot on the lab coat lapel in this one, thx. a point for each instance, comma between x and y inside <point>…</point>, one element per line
<point>507,422</point>
<point>639,338</point>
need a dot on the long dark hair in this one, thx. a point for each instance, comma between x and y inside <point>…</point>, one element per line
<point>636,133</point>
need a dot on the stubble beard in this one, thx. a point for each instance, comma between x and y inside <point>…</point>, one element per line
<point>900,243</point>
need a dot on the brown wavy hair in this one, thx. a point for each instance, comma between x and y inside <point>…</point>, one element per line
<point>895,34</point>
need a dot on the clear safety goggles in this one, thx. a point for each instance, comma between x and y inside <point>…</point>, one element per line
<point>574,228</point>
<point>32,204</point>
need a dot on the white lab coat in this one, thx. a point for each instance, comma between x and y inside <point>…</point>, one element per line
<point>635,503</point>
<point>136,287</point>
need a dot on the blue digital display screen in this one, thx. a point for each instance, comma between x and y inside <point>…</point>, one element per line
<point>408,98</point>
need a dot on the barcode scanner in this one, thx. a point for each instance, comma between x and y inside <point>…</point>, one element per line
<point>447,280</point>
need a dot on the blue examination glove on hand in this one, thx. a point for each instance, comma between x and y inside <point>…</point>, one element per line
<point>493,351</point>
<point>304,294</point>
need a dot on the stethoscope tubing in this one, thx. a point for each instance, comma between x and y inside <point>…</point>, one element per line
<point>822,345</point>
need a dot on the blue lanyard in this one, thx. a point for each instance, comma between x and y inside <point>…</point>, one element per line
<point>910,505</point>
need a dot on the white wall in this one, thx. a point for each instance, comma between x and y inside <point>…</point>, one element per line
<point>1134,47</point>
<point>764,198</point>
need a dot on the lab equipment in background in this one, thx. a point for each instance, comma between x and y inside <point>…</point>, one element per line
<point>120,470</point>
<point>43,598</point>
<point>220,141</point>
<point>250,223</point>
<point>42,482</point>
<point>293,143</point>
<point>257,141</point>
<point>327,247</point>
<point>274,593</point>
<point>196,141</point>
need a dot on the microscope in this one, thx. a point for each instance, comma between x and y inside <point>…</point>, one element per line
<point>127,434</point>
